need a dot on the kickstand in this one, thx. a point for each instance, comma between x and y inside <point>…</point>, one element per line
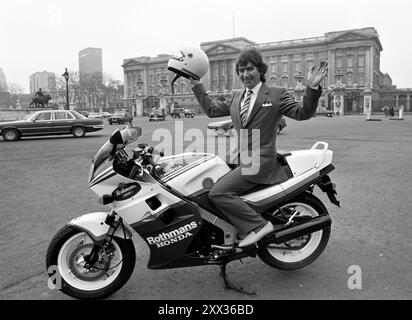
<point>230,285</point>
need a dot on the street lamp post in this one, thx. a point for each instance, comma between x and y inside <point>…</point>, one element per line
<point>66,76</point>
<point>285,79</point>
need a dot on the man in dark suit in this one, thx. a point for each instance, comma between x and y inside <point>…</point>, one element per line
<point>255,110</point>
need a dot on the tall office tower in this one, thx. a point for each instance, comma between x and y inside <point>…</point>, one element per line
<point>90,64</point>
<point>44,80</point>
<point>3,82</point>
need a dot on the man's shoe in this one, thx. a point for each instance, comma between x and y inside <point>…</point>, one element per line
<point>254,237</point>
<point>240,237</point>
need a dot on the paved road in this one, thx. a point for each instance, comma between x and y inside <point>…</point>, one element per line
<point>43,184</point>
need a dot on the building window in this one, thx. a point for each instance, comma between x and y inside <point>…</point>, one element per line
<point>338,62</point>
<point>361,79</point>
<point>349,79</point>
<point>297,66</point>
<point>273,67</point>
<point>349,62</point>
<point>284,67</point>
<point>285,80</point>
<point>214,85</point>
<point>361,61</point>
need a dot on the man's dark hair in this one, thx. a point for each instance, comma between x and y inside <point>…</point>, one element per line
<point>253,56</point>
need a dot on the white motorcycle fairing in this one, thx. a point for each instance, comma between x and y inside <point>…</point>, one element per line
<point>94,225</point>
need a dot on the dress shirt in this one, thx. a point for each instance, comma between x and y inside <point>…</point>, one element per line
<point>253,97</point>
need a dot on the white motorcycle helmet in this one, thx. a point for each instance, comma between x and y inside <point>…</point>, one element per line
<point>190,62</point>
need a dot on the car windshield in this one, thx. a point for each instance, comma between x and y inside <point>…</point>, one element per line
<point>103,158</point>
<point>28,116</point>
<point>78,115</point>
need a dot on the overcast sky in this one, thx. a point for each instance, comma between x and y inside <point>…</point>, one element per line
<point>48,34</point>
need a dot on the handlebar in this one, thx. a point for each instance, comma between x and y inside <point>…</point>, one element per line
<point>129,167</point>
<point>149,158</point>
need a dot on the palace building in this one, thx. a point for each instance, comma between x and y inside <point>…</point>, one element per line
<point>354,81</point>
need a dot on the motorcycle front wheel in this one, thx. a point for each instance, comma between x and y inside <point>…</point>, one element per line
<point>300,252</point>
<point>65,262</point>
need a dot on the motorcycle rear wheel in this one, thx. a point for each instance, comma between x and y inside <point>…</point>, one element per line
<point>304,250</point>
<point>65,256</point>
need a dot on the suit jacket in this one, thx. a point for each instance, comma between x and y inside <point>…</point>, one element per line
<point>271,103</point>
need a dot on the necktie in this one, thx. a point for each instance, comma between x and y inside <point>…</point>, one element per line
<point>245,107</point>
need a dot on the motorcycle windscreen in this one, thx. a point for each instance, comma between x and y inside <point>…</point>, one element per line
<point>119,139</point>
<point>99,159</point>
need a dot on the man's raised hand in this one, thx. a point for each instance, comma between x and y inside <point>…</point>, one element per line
<point>316,75</point>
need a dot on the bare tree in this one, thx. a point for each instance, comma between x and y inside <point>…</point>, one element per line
<point>90,92</point>
<point>15,88</point>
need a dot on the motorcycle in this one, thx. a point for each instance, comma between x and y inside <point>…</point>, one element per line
<point>166,203</point>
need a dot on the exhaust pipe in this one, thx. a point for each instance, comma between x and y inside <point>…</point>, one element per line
<point>289,233</point>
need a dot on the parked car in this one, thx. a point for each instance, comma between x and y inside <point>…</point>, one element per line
<point>106,114</point>
<point>50,122</point>
<point>189,113</point>
<point>322,111</point>
<point>94,115</point>
<point>157,115</point>
<point>177,113</point>
<point>120,118</point>
<point>85,113</point>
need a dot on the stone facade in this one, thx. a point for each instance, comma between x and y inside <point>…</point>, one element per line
<point>353,57</point>
<point>44,80</point>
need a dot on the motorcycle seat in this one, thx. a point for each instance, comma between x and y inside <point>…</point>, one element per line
<point>281,158</point>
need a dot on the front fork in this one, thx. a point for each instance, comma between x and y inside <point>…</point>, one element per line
<point>114,224</point>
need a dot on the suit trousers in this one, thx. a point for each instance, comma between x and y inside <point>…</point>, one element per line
<point>225,196</point>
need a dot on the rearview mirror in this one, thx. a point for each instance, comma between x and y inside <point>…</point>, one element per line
<point>125,135</point>
<point>116,137</point>
<point>130,134</point>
